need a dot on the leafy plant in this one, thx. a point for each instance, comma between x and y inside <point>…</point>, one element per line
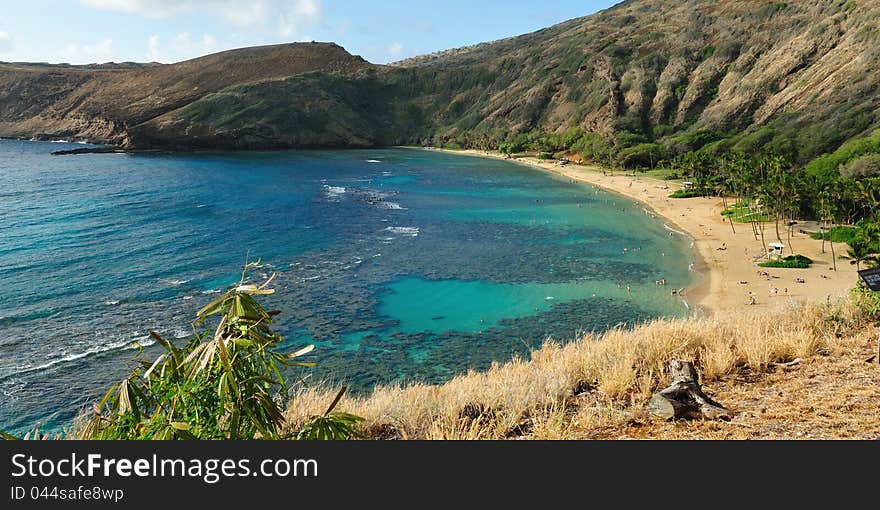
<point>691,193</point>
<point>866,301</point>
<point>331,426</point>
<point>224,384</point>
<point>791,262</point>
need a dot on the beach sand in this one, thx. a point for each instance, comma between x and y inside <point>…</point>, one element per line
<point>726,277</point>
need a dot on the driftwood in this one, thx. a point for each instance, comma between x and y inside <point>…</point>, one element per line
<point>684,399</point>
<point>790,364</point>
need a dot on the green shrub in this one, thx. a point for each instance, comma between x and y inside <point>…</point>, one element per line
<point>641,155</point>
<point>866,301</point>
<point>862,167</point>
<point>224,384</point>
<point>691,193</point>
<point>790,262</point>
<point>697,139</point>
<point>827,166</point>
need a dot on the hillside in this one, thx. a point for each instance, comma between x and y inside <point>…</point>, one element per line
<point>102,103</point>
<point>795,77</point>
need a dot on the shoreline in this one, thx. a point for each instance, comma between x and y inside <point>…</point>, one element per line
<point>725,262</point>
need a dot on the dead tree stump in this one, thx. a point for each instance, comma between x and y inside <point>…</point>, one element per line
<point>685,399</point>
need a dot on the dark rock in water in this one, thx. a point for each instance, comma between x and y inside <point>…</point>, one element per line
<point>108,150</point>
<point>90,150</point>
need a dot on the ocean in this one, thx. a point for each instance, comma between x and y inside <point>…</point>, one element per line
<point>399,265</point>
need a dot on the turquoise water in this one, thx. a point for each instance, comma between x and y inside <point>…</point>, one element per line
<point>400,265</point>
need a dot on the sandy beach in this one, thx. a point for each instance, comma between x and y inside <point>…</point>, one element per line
<point>727,266</point>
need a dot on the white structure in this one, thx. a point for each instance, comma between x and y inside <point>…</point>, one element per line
<point>777,250</point>
<point>688,185</point>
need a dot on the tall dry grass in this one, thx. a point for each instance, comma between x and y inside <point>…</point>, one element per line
<point>594,382</point>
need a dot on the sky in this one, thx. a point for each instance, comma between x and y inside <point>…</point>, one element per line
<point>381,31</point>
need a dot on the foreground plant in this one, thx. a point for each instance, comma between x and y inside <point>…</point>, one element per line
<point>226,383</point>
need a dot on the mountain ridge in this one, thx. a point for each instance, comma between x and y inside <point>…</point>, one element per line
<point>791,77</point>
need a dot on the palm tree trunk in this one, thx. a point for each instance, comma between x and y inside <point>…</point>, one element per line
<point>833,255</point>
<point>729,216</point>
<point>763,240</point>
<point>752,220</point>
<point>778,214</point>
<point>788,228</point>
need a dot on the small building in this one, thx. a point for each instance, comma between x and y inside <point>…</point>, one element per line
<point>688,185</point>
<point>777,251</point>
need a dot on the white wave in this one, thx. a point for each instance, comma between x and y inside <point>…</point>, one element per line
<point>59,141</point>
<point>394,206</point>
<point>122,345</point>
<point>404,231</point>
<point>373,161</point>
<point>679,232</point>
<point>111,303</point>
<point>212,291</point>
<point>83,142</point>
<point>334,191</point>
<point>173,282</point>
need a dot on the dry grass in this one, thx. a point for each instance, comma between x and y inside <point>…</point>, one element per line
<point>597,386</point>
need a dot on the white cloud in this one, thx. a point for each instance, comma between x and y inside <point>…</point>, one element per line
<point>287,18</point>
<point>100,52</point>
<point>181,47</point>
<point>153,48</point>
<point>395,50</point>
<point>5,42</point>
<point>152,8</point>
<point>186,47</point>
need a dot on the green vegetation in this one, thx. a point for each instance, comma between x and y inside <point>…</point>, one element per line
<point>643,155</point>
<point>827,167</point>
<point>691,193</point>
<point>862,167</point>
<point>866,300</point>
<point>838,235</point>
<point>745,212</point>
<point>791,262</point>
<point>225,383</point>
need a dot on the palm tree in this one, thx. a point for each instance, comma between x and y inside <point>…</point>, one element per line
<point>860,252</point>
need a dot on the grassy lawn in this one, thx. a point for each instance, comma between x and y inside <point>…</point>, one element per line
<point>740,213</point>
<point>843,235</point>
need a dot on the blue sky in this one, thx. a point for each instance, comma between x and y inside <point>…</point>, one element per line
<point>86,31</point>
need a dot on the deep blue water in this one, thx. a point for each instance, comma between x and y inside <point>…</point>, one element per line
<point>399,265</point>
